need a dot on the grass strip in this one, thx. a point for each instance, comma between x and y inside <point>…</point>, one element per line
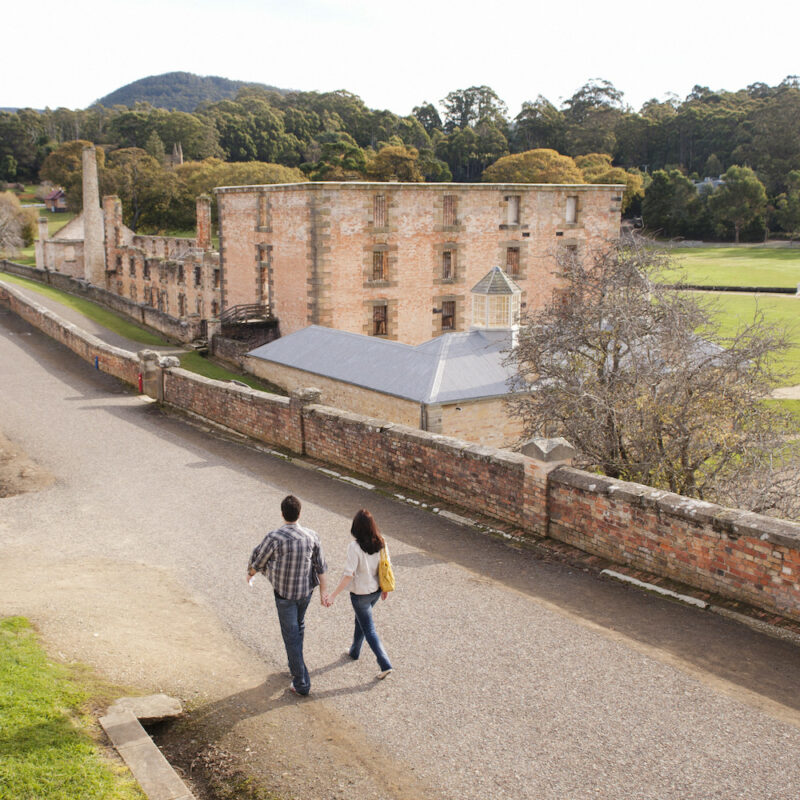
<point>46,751</point>
<point>200,365</point>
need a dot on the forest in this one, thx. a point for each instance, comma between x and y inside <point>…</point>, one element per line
<point>750,138</point>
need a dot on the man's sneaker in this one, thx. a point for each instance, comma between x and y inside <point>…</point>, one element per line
<point>382,675</point>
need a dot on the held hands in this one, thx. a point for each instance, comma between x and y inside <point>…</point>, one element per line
<point>327,599</point>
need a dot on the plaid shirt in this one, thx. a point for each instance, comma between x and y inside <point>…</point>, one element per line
<point>292,558</point>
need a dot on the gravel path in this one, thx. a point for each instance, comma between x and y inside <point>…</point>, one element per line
<point>514,677</point>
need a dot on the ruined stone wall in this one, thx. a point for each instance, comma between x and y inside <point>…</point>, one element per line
<point>166,274</point>
<point>64,256</point>
<point>313,245</point>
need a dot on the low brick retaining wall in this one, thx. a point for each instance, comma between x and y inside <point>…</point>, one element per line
<point>725,551</point>
<point>179,330</point>
<point>113,360</point>
<point>734,554</point>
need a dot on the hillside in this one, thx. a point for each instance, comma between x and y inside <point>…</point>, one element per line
<point>182,91</point>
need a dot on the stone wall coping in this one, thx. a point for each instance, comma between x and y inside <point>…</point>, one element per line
<point>418,187</point>
<point>731,522</point>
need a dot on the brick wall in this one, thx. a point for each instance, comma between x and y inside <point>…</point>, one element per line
<point>481,479</point>
<point>120,363</point>
<point>265,417</point>
<point>732,553</point>
<point>180,330</point>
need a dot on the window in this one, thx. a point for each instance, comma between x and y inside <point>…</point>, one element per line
<point>572,253</point>
<point>132,266</point>
<point>447,265</point>
<point>198,306</point>
<point>216,279</point>
<point>512,261</point>
<point>214,308</point>
<point>118,262</point>
<point>379,263</point>
<point>146,271</point>
<point>513,209</point>
<point>449,209</point>
<point>181,274</point>
<point>379,320</point>
<point>263,211</point>
<point>572,209</point>
<point>197,276</point>
<point>448,315</point>
<point>379,211</point>
<point>181,305</point>
<point>133,292</point>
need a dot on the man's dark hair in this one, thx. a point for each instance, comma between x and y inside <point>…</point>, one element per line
<point>290,508</point>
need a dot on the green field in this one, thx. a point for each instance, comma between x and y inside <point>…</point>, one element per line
<point>47,750</point>
<point>745,265</point>
<point>736,310</point>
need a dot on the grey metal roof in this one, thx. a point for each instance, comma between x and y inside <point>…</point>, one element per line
<point>450,368</point>
<point>496,282</point>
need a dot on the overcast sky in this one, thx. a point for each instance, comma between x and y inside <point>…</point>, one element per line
<point>396,55</point>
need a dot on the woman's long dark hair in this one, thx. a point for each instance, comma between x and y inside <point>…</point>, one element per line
<point>366,532</point>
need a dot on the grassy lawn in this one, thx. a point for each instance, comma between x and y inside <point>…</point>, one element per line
<point>46,750</point>
<point>736,266</point>
<point>784,311</point>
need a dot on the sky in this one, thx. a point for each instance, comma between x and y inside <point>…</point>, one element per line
<point>397,55</point>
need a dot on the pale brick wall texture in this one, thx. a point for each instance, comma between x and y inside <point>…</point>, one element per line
<point>309,249</point>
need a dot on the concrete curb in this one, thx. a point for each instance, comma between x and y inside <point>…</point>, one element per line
<point>153,772</point>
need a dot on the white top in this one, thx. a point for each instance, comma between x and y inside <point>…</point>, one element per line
<point>364,569</point>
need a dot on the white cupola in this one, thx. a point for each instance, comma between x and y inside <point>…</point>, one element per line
<point>496,302</point>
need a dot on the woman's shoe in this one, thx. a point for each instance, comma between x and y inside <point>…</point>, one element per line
<point>382,675</point>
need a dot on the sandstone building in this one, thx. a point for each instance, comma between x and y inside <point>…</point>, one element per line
<point>455,384</point>
<point>398,260</point>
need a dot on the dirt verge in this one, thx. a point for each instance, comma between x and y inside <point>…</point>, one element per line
<point>18,474</point>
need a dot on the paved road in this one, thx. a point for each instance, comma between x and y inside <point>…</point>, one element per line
<point>514,677</point>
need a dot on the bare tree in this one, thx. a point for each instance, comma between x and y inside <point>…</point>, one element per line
<point>640,379</point>
<point>12,223</point>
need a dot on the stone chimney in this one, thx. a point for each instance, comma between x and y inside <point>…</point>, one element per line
<point>39,249</point>
<point>94,262</point>
<point>204,222</point>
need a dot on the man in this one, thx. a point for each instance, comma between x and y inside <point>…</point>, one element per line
<point>292,558</point>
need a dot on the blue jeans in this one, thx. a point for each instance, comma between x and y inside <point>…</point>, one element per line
<point>365,628</point>
<point>292,614</point>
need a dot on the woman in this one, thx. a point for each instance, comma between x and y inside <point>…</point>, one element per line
<point>361,575</point>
